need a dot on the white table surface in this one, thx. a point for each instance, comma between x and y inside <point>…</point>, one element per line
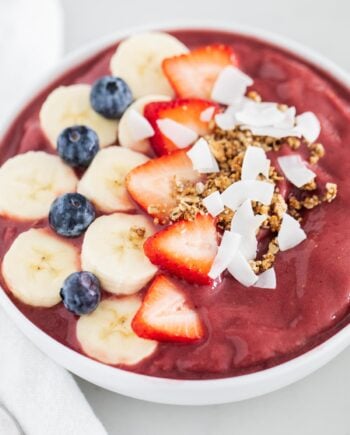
<point>318,404</point>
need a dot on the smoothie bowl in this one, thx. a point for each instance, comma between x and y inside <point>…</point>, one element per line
<point>173,215</point>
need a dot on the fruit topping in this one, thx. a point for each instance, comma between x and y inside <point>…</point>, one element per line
<point>213,174</point>
<point>67,106</point>
<point>77,145</point>
<point>107,336</point>
<point>113,251</point>
<point>30,182</point>
<point>187,249</point>
<point>138,61</point>
<point>81,293</point>
<point>153,184</point>
<point>36,265</point>
<point>177,123</point>
<point>71,214</point>
<point>166,314</point>
<point>192,75</point>
<point>104,181</point>
<point>110,97</point>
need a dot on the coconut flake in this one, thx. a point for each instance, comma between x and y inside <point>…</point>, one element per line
<point>230,86</point>
<point>255,163</point>
<point>225,121</point>
<point>138,126</point>
<point>295,169</point>
<point>288,120</point>
<point>239,105</point>
<point>226,252</point>
<point>275,132</point>
<point>181,135</point>
<point>214,204</point>
<point>267,279</point>
<point>240,191</point>
<point>249,246</point>
<point>244,221</point>
<point>240,269</point>
<point>260,114</point>
<point>202,158</point>
<point>308,125</point>
<point>207,114</point>
<point>290,233</point>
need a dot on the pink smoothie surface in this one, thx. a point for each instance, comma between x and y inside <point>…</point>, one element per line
<point>247,329</point>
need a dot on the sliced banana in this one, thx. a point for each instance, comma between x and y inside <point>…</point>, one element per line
<point>30,182</point>
<point>67,106</point>
<point>36,265</point>
<point>125,138</point>
<point>138,60</point>
<point>104,181</point>
<point>107,335</point>
<point>113,251</point>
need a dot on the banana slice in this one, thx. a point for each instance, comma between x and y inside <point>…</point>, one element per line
<point>107,335</point>
<point>138,60</point>
<point>113,251</point>
<point>104,181</point>
<point>70,105</point>
<point>30,182</point>
<point>36,265</point>
<point>125,138</point>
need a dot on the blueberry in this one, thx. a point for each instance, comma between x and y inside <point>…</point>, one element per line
<point>71,214</point>
<point>81,293</point>
<point>110,97</point>
<point>77,145</point>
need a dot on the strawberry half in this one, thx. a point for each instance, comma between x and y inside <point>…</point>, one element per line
<point>184,111</point>
<point>166,315</point>
<point>192,75</point>
<point>152,184</point>
<point>187,248</point>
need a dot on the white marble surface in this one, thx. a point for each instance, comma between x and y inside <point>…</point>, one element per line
<point>317,405</point>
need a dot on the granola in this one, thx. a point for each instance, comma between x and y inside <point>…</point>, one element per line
<point>228,148</point>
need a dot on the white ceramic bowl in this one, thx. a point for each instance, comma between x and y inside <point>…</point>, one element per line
<point>185,392</point>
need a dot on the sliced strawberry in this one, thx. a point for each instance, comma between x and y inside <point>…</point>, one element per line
<point>152,185</point>
<point>166,315</point>
<point>187,248</point>
<point>193,75</point>
<point>184,111</point>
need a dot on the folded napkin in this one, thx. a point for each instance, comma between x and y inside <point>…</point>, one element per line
<point>37,397</point>
<point>42,397</point>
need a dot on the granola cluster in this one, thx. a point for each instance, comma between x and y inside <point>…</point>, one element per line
<point>137,236</point>
<point>228,147</point>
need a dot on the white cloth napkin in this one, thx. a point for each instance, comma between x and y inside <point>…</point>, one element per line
<point>41,396</point>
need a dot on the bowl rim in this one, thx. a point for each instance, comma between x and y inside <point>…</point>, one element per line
<point>164,390</point>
